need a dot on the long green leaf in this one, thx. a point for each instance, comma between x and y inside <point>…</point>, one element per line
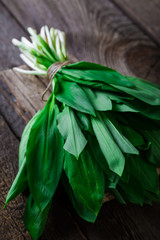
<point>152,112</point>
<point>109,148</point>
<point>73,95</point>
<point>152,89</point>
<point>84,121</point>
<point>81,209</point>
<point>25,137</point>
<point>99,99</point>
<point>145,173</point>
<point>143,93</point>
<point>153,155</point>
<point>152,197</point>
<point>121,107</point>
<point>44,155</point>
<point>132,191</point>
<point>98,156</point>
<point>110,177</point>
<point>20,182</point>
<point>86,179</point>
<point>133,136</point>
<point>95,72</point>
<point>117,195</point>
<point>93,84</point>
<point>34,218</point>
<point>71,132</point>
<point>137,121</point>
<point>124,144</point>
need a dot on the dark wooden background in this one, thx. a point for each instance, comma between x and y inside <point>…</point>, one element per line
<point>122,34</point>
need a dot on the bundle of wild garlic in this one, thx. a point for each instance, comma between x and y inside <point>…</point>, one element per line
<point>99,131</point>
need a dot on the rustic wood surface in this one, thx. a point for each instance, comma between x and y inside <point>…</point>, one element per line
<point>145,13</point>
<point>121,34</point>
<point>9,29</point>
<point>96,30</point>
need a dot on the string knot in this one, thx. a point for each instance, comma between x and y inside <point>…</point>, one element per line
<point>51,72</point>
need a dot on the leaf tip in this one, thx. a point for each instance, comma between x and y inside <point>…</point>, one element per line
<point>5,205</point>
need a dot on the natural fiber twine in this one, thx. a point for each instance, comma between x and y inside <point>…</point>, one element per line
<point>54,68</point>
<point>51,72</point>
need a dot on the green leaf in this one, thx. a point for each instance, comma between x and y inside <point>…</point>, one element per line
<point>98,156</point>
<point>20,182</point>
<point>143,91</point>
<point>86,179</point>
<point>124,144</point>
<point>85,121</point>
<point>98,99</point>
<point>144,84</point>
<point>118,96</point>
<point>121,107</point>
<point>132,191</point>
<point>109,148</point>
<point>44,47</point>
<point>152,197</point>
<point>111,182</point>
<point>34,218</point>
<point>25,137</point>
<point>126,173</point>
<point>82,211</point>
<point>152,89</point>
<point>152,112</point>
<point>73,95</point>
<point>44,61</point>
<point>137,121</point>
<point>95,72</point>
<point>93,84</point>
<point>44,155</point>
<point>71,132</point>
<point>134,137</point>
<point>153,155</point>
<point>144,172</point>
<point>118,196</point>
<point>111,178</point>
<point>82,65</point>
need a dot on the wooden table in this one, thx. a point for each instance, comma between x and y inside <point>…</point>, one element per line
<point>121,34</point>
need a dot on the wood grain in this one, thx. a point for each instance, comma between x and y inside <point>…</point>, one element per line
<point>9,55</point>
<point>11,224</point>
<point>20,98</point>
<point>145,13</point>
<point>129,222</point>
<point>97,31</point>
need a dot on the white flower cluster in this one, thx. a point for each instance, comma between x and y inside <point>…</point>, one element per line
<point>43,50</point>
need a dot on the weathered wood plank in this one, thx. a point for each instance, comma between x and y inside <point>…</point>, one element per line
<point>96,31</point>
<point>145,13</point>
<point>117,221</point>
<point>9,55</point>
<point>20,98</point>
<point>11,224</point>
